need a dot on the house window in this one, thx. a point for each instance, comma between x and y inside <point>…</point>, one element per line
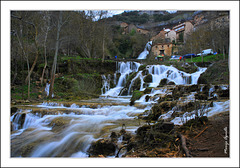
<point>168,46</point>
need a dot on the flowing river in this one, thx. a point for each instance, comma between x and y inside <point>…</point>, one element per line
<point>67,129</point>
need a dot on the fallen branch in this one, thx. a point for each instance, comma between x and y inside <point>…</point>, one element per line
<point>184,146</point>
<point>200,133</point>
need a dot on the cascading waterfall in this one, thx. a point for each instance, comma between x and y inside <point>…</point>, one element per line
<point>69,135</point>
<point>147,48</point>
<point>53,130</point>
<point>124,68</point>
<point>158,73</point>
<point>171,73</point>
<point>47,89</point>
<point>105,83</point>
<point>139,75</point>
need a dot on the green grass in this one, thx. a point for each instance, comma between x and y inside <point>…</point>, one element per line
<point>16,92</point>
<point>208,58</point>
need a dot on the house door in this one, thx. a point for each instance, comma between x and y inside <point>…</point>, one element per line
<point>161,52</point>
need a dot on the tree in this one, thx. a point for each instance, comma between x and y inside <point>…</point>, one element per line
<point>54,66</point>
<point>46,28</point>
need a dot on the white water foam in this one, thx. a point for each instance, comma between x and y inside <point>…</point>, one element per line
<point>143,55</point>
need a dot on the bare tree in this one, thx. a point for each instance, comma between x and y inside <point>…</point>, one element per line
<point>46,28</point>
<point>54,66</point>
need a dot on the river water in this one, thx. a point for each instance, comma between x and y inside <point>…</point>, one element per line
<point>67,129</point>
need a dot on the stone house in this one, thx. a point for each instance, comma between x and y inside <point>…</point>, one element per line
<point>165,35</point>
<point>170,35</point>
<point>124,26</point>
<point>162,48</point>
<point>183,29</point>
<point>159,36</point>
<point>127,28</point>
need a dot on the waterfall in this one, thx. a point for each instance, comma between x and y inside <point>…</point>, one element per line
<point>68,135</point>
<point>171,73</point>
<point>158,73</point>
<point>147,48</point>
<point>124,68</point>
<point>139,75</point>
<point>106,83</point>
<point>47,89</point>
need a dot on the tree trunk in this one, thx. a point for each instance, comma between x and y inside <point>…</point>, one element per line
<point>36,58</point>
<point>45,53</point>
<point>103,56</point>
<point>223,53</point>
<point>28,79</point>
<point>55,56</point>
<point>25,55</point>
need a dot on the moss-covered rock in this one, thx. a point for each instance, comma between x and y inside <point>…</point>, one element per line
<point>102,147</point>
<point>201,96</point>
<point>159,134</point>
<point>171,83</point>
<point>166,97</point>
<point>147,90</point>
<point>142,67</point>
<point>136,84</point>
<point>148,78</point>
<point>59,123</point>
<point>159,109</point>
<point>163,82</point>
<point>136,96</point>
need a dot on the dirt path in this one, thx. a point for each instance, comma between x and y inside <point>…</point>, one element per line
<point>213,138</point>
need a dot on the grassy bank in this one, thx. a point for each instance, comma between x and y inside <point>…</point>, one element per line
<point>208,58</point>
<point>76,79</point>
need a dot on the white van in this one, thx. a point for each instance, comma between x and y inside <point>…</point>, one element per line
<point>206,52</point>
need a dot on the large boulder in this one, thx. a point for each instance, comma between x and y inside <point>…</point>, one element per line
<point>102,147</point>
<point>148,78</point>
<point>163,82</point>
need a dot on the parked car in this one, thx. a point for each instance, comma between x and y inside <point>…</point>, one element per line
<point>175,57</point>
<point>206,52</point>
<point>189,55</point>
